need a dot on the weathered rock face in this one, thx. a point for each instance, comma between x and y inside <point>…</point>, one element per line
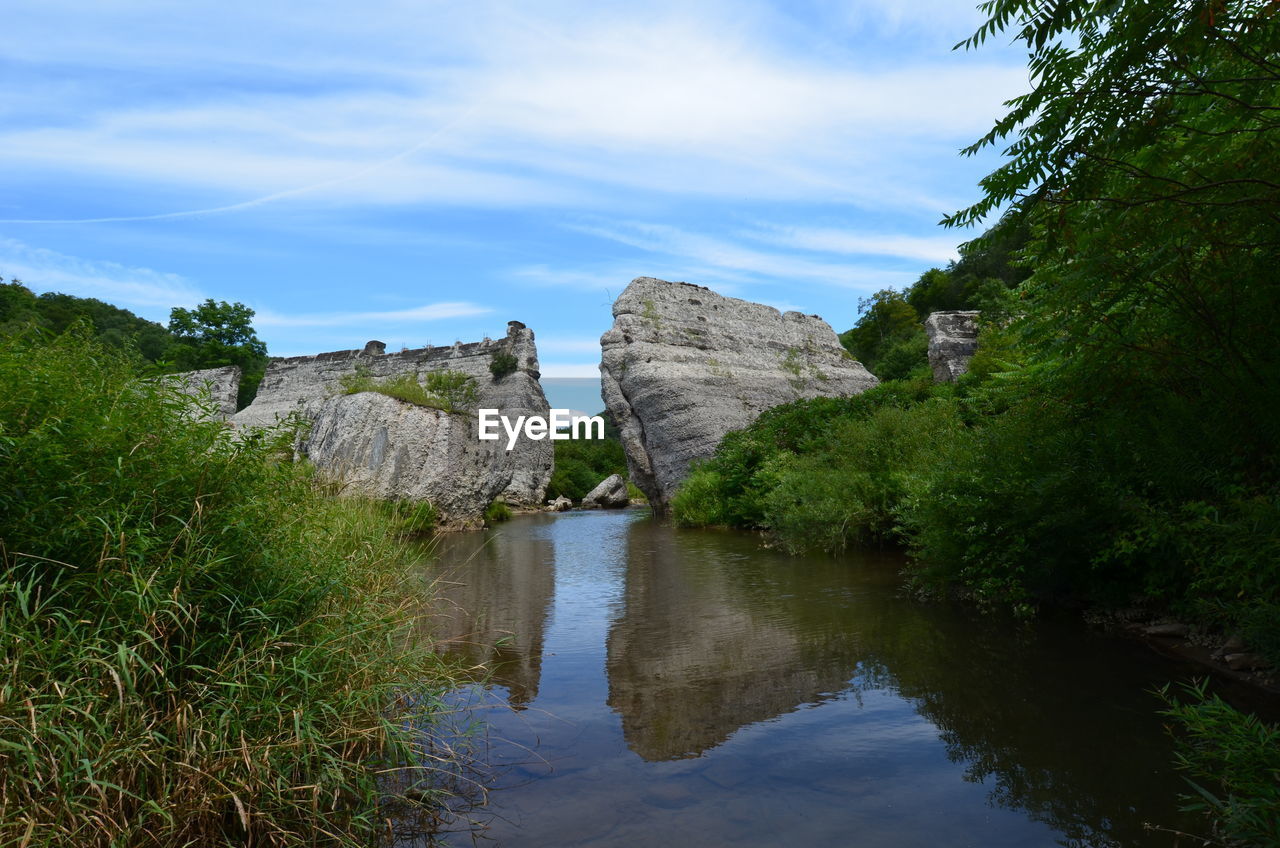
<point>683,365</point>
<point>385,448</point>
<point>610,494</point>
<point>309,385</point>
<point>221,384</point>
<point>953,339</point>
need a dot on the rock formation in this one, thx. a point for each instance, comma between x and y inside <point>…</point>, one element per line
<point>953,339</point>
<point>683,365</point>
<point>386,448</point>
<point>218,385</point>
<point>389,448</point>
<point>610,494</point>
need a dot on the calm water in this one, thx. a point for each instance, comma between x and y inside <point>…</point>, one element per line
<point>687,688</point>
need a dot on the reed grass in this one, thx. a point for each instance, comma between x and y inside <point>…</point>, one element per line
<point>198,646</point>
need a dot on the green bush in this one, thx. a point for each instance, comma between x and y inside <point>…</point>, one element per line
<point>410,518</point>
<point>497,512</point>
<point>800,467</point>
<point>502,364</point>
<point>1233,762</point>
<point>850,490</point>
<point>197,646</point>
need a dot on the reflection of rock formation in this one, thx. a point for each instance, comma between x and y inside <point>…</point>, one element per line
<point>491,604</point>
<point>683,365</point>
<point>690,662</point>
<point>717,634</point>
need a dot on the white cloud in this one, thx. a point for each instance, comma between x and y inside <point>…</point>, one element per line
<point>722,254</point>
<point>939,249</point>
<point>45,270</point>
<point>546,111</point>
<point>428,312</point>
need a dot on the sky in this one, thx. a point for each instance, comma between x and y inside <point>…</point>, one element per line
<point>422,172</point>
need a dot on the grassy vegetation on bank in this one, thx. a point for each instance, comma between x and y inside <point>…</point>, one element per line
<point>197,645</point>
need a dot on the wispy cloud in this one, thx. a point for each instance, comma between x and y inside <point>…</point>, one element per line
<point>661,100</point>
<point>850,241</point>
<point>724,254</point>
<point>48,270</point>
<point>428,312</point>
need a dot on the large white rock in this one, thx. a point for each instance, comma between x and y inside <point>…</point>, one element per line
<point>381,447</point>
<point>683,365</point>
<point>610,493</point>
<point>953,339</point>
<point>304,385</point>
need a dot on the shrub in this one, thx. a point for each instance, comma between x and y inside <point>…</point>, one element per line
<point>197,646</point>
<point>502,364</point>
<point>1233,762</point>
<point>410,518</point>
<point>497,512</point>
<point>580,465</point>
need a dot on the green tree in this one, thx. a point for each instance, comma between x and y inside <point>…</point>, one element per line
<point>215,334</point>
<point>886,318</point>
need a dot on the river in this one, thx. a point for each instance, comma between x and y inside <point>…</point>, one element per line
<point>652,686</point>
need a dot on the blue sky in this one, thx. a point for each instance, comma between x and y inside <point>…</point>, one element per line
<point>423,172</point>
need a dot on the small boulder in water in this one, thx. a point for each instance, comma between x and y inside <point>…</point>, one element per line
<point>610,494</point>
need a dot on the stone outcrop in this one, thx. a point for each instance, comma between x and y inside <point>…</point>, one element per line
<point>385,448</point>
<point>953,339</point>
<point>219,386</point>
<point>375,456</point>
<point>683,365</point>
<point>610,494</point>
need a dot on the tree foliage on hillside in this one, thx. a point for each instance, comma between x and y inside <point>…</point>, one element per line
<point>889,337</point>
<point>212,334</point>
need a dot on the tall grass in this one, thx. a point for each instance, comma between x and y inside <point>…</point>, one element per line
<point>197,646</point>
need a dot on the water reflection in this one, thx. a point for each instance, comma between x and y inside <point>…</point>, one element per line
<point>691,687</point>
<point>493,592</point>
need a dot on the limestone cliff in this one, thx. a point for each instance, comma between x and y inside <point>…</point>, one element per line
<point>218,386</point>
<point>386,448</point>
<point>311,386</point>
<point>683,365</point>
<point>953,339</point>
